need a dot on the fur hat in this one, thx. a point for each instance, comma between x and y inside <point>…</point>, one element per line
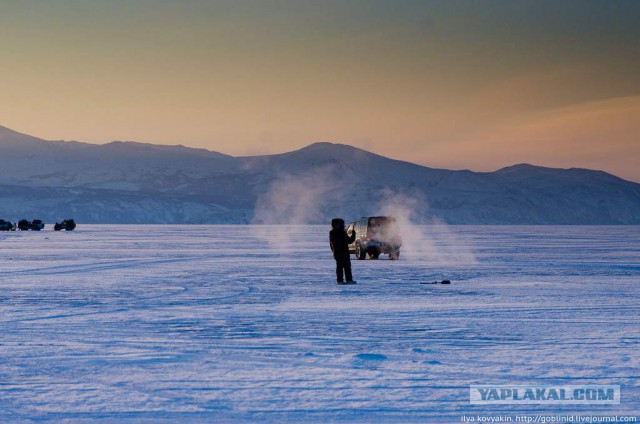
<point>337,223</point>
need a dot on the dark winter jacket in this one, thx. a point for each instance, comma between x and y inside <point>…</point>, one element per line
<point>339,241</point>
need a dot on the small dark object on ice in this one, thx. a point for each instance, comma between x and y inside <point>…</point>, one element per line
<point>347,283</point>
<point>67,224</point>
<point>439,282</point>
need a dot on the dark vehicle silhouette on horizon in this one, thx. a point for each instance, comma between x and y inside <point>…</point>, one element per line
<point>6,225</point>
<point>67,225</point>
<point>375,235</point>
<point>35,225</point>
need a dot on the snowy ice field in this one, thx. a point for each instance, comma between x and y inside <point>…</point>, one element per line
<point>213,323</point>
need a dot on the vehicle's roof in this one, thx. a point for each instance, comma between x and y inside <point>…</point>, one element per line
<point>379,218</point>
<point>367,218</point>
<point>383,218</point>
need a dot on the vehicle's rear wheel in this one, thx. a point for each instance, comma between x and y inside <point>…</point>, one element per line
<point>374,255</point>
<point>360,253</point>
<point>395,255</point>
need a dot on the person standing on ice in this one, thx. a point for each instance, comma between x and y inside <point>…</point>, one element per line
<point>339,241</point>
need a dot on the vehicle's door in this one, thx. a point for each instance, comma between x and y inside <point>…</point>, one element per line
<point>352,246</point>
<point>361,229</point>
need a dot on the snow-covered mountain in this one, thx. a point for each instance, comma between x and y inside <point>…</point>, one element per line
<point>126,182</point>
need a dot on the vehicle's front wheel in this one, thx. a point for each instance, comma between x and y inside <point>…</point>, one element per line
<point>395,255</point>
<point>360,253</point>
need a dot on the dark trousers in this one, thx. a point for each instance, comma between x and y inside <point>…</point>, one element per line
<point>343,265</point>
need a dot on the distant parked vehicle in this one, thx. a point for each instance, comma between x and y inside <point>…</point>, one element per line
<point>35,225</point>
<point>6,226</point>
<point>375,235</point>
<point>24,225</point>
<point>67,225</point>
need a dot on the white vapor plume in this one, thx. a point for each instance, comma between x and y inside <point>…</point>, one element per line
<point>296,199</point>
<point>293,199</point>
<point>427,240</point>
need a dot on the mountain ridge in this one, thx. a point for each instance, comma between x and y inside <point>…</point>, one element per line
<point>131,182</point>
<point>313,147</point>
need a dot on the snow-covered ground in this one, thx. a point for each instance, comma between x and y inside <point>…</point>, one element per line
<point>213,323</point>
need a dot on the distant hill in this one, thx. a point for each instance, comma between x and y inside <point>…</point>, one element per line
<point>126,182</point>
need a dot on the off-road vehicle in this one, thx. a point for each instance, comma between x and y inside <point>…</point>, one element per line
<point>35,225</point>
<point>6,226</point>
<point>375,235</point>
<point>67,224</point>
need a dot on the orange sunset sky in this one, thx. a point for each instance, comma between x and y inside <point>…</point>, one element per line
<point>452,84</point>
